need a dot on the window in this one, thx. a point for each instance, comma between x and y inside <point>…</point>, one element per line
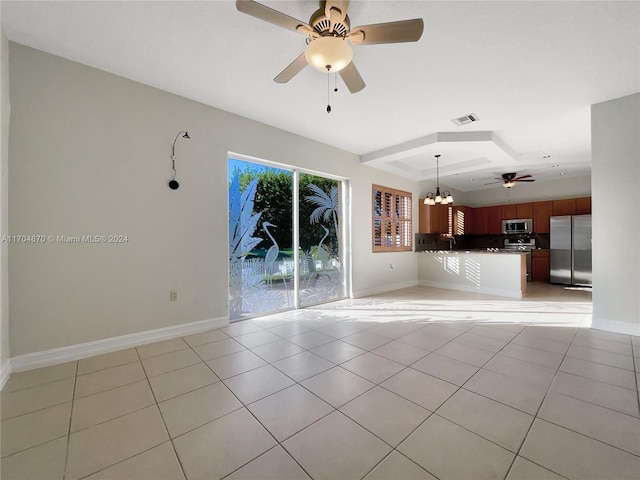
<point>391,220</point>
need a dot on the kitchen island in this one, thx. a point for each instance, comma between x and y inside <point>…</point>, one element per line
<point>494,272</point>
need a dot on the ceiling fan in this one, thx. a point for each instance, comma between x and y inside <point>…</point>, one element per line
<point>329,35</point>
<point>510,179</point>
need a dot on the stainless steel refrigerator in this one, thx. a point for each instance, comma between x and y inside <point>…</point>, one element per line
<point>570,243</point>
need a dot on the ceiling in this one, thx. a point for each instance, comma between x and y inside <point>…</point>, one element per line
<point>529,70</point>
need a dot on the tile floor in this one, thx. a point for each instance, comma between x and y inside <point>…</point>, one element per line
<point>415,384</point>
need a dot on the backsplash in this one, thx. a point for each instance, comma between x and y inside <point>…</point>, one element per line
<point>433,241</point>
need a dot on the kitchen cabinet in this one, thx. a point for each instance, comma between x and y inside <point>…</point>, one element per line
<point>540,265</point>
<point>524,210</point>
<point>494,220</point>
<point>583,206</point>
<point>433,218</point>
<point>566,206</point>
<point>517,210</point>
<point>542,212</point>
<point>461,220</point>
<point>479,221</point>
<point>509,211</point>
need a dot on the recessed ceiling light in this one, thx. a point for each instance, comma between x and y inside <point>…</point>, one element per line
<point>555,165</point>
<point>471,179</point>
<point>546,156</point>
<point>562,173</point>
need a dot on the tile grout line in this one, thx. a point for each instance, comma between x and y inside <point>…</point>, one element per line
<point>535,417</point>
<point>73,399</point>
<point>635,373</point>
<point>157,405</point>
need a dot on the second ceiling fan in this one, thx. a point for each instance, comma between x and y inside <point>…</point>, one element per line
<point>509,179</point>
<point>329,35</point>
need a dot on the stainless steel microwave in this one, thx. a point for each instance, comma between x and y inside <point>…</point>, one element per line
<point>518,225</point>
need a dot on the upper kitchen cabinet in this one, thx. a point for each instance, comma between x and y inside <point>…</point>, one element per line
<point>517,210</point>
<point>509,211</point>
<point>494,220</point>
<point>524,210</point>
<point>566,206</point>
<point>583,206</point>
<point>542,212</point>
<point>433,218</point>
<point>461,220</point>
<point>479,221</point>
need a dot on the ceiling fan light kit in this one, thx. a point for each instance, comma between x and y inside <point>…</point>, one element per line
<point>329,38</point>
<point>328,54</point>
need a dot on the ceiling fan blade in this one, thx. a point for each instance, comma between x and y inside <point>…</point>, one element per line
<point>292,69</point>
<point>352,78</point>
<point>335,11</point>
<point>516,180</point>
<point>521,177</point>
<point>391,32</point>
<point>270,15</point>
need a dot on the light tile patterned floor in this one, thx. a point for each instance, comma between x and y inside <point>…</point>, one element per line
<point>415,384</point>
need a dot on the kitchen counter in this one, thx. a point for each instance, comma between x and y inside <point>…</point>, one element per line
<point>499,272</point>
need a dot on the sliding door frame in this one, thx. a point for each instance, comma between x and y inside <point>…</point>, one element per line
<point>344,232</point>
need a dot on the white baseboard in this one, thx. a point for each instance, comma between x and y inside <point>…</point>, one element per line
<point>472,289</point>
<point>56,356</point>
<point>5,371</point>
<point>384,289</point>
<point>630,328</point>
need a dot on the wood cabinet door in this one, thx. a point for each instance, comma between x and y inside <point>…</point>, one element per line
<point>566,206</point>
<point>494,220</point>
<point>524,210</point>
<point>444,218</point>
<point>433,218</point>
<point>542,211</point>
<point>423,217</point>
<point>510,211</point>
<point>583,206</point>
<point>540,265</point>
<point>480,221</point>
<point>461,220</point>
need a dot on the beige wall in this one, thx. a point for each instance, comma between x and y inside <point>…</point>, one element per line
<point>5,107</point>
<point>90,155</point>
<point>615,145</point>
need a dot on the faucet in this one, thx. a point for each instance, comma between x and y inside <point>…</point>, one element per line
<point>452,242</point>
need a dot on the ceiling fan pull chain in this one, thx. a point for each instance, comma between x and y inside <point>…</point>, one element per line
<point>335,78</point>
<point>328,88</point>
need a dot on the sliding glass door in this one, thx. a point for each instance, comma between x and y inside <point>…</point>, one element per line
<point>284,239</point>
<point>321,271</point>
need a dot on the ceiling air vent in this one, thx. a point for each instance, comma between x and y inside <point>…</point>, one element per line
<point>472,117</point>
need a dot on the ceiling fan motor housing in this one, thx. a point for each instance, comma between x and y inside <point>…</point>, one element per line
<point>321,24</point>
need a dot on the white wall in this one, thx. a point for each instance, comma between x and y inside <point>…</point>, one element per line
<point>89,155</point>
<point>528,192</point>
<point>615,144</point>
<point>5,107</point>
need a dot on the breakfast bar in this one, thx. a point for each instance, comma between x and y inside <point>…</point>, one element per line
<point>492,272</point>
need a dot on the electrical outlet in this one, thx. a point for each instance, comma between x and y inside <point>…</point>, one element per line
<point>174,296</point>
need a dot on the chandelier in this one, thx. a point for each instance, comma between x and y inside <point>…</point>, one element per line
<point>443,198</point>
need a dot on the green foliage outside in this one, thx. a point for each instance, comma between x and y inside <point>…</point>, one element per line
<point>274,200</point>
